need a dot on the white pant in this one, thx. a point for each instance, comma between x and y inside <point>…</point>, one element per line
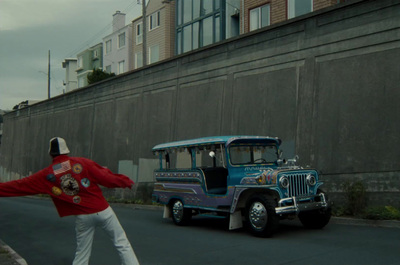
<point>85,227</point>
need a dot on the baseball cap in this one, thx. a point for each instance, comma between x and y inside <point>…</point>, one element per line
<point>58,146</point>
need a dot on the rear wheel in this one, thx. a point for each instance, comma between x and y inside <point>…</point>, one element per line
<point>180,215</point>
<point>261,218</point>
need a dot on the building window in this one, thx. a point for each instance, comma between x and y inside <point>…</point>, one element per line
<point>108,69</point>
<point>81,81</point>
<point>95,54</point>
<point>108,46</point>
<point>154,20</point>
<point>187,38</point>
<point>138,59</point>
<point>299,7</point>
<point>80,62</point>
<point>187,11</point>
<point>154,54</point>
<point>121,40</point>
<point>260,17</point>
<point>199,23</point>
<point>121,67</point>
<point>139,33</point>
<point>207,33</point>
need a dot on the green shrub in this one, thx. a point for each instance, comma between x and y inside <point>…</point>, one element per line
<point>382,213</point>
<point>356,198</point>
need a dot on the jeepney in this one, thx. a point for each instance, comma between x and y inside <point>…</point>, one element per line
<point>243,178</point>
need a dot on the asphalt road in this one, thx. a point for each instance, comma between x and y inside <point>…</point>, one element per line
<point>33,229</point>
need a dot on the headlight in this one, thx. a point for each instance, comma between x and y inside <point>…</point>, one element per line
<point>311,180</point>
<point>284,182</point>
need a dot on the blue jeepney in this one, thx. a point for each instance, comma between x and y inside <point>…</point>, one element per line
<point>242,178</point>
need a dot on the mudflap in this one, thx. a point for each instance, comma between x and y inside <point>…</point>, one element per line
<point>167,212</point>
<point>235,220</point>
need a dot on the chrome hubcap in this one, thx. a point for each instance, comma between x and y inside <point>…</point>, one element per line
<point>177,210</point>
<point>258,215</point>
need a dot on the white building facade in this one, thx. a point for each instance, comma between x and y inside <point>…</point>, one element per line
<point>116,48</point>
<point>71,79</point>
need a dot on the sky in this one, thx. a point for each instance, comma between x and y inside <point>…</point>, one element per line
<point>30,28</point>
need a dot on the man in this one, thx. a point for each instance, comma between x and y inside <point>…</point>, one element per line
<point>73,184</point>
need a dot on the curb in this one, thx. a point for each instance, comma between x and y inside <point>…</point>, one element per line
<point>365,222</point>
<point>14,255</point>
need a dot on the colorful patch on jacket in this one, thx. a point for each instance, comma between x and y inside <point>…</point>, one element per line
<point>62,167</point>
<point>51,178</point>
<point>76,199</point>
<point>69,185</point>
<point>85,182</point>
<point>56,191</point>
<point>77,168</point>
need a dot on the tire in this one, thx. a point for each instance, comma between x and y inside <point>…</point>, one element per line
<point>180,215</point>
<point>261,218</point>
<point>316,219</point>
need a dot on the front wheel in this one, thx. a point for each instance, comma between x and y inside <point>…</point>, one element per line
<point>180,215</point>
<point>261,218</point>
<point>316,219</point>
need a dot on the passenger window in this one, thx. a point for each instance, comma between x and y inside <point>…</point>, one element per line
<point>203,158</point>
<point>184,160</point>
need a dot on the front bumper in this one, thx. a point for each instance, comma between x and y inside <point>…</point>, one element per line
<point>302,203</point>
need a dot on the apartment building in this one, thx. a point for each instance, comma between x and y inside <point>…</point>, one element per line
<point>117,46</point>
<point>261,13</point>
<point>160,33</point>
<point>88,60</point>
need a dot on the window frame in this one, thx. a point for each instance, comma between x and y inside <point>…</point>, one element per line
<point>137,55</point>
<point>123,67</point>
<point>108,47</point>
<point>151,53</point>
<point>119,40</point>
<point>157,20</point>
<point>139,37</point>
<point>291,12</point>
<point>259,17</point>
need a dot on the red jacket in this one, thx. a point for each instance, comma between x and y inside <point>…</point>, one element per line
<point>72,183</point>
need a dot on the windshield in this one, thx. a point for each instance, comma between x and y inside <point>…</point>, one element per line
<point>253,154</point>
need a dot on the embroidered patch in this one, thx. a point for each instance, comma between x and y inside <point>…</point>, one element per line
<point>69,185</point>
<point>51,178</point>
<point>85,182</point>
<point>61,168</point>
<point>77,168</point>
<point>77,199</point>
<point>56,191</point>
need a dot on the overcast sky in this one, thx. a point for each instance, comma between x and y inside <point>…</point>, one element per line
<point>30,28</point>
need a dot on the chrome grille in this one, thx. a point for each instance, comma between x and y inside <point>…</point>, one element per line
<point>297,185</point>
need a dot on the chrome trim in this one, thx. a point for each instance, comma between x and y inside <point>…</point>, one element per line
<point>299,206</point>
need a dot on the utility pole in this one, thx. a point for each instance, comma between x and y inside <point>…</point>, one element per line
<point>144,32</point>
<point>48,79</point>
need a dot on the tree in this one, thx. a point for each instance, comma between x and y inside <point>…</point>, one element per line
<point>98,75</point>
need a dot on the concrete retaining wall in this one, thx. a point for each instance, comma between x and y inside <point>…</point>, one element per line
<point>327,83</point>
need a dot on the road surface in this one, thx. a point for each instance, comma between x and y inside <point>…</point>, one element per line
<point>33,229</point>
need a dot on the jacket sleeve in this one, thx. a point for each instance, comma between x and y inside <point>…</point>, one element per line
<point>106,178</point>
<point>27,186</point>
